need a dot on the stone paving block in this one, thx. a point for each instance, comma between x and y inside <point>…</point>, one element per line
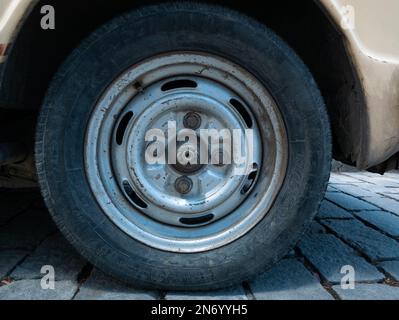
<point>315,227</point>
<point>329,210</point>
<point>14,202</point>
<point>383,220</point>
<point>391,267</point>
<point>350,203</point>
<point>385,203</point>
<point>388,183</point>
<point>375,189</point>
<point>372,243</point>
<point>394,196</point>
<point>369,292</point>
<point>102,287</point>
<point>54,251</point>
<point>329,193</point>
<point>363,176</point>
<point>237,293</point>
<point>328,254</point>
<point>330,188</point>
<point>385,182</point>
<point>380,191</point>
<point>27,230</point>
<point>393,189</point>
<point>32,290</point>
<point>393,174</point>
<point>338,178</point>
<point>288,280</point>
<point>356,191</point>
<point>9,259</point>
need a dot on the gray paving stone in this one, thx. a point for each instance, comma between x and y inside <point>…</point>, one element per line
<point>372,243</point>
<point>356,191</point>
<point>391,267</point>
<point>101,287</point>
<point>329,210</point>
<point>350,203</point>
<point>394,196</point>
<point>288,280</point>
<point>32,290</point>
<point>376,191</point>
<point>229,294</point>
<point>385,203</point>
<point>328,254</point>
<point>9,259</point>
<point>383,220</point>
<point>363,176</point>
<point>330,193</point>
<point>393,174</point>
<point>54,251</point>
<point>368,292</point>
<point>386,182</point>
<point>393,189</point>
<point>338,178</point>
<point>27,230</point>
<point>316,227</point>
<point>330,188</point>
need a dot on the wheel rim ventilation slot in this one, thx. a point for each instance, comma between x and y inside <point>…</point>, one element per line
<point>179,84</point>
<point>120,132</point>
<point>198,220</point>
<point>251,179</point>
<point>242,111</point>
<point>133,195</point>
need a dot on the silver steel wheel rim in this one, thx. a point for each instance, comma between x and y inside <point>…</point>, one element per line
<point>155,204</point>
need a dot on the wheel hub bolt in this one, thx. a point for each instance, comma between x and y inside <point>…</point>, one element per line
<point>192,120</point>
<point>183,185</point>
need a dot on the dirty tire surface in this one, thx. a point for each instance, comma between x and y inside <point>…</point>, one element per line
<point>132,38</point>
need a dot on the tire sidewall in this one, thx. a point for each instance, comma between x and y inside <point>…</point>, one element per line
<point>128,40</point>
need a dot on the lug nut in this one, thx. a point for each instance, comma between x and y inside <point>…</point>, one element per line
<point>183,185</point>
<point>192,120</point>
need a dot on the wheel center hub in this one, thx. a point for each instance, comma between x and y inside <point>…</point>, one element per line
<point>188,159</point>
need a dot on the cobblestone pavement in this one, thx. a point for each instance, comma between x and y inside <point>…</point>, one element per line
<point>358,226</point>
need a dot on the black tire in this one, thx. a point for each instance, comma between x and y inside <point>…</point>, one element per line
<point>132,38</point>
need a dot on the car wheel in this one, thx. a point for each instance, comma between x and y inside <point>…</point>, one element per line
<point>182,226</point>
